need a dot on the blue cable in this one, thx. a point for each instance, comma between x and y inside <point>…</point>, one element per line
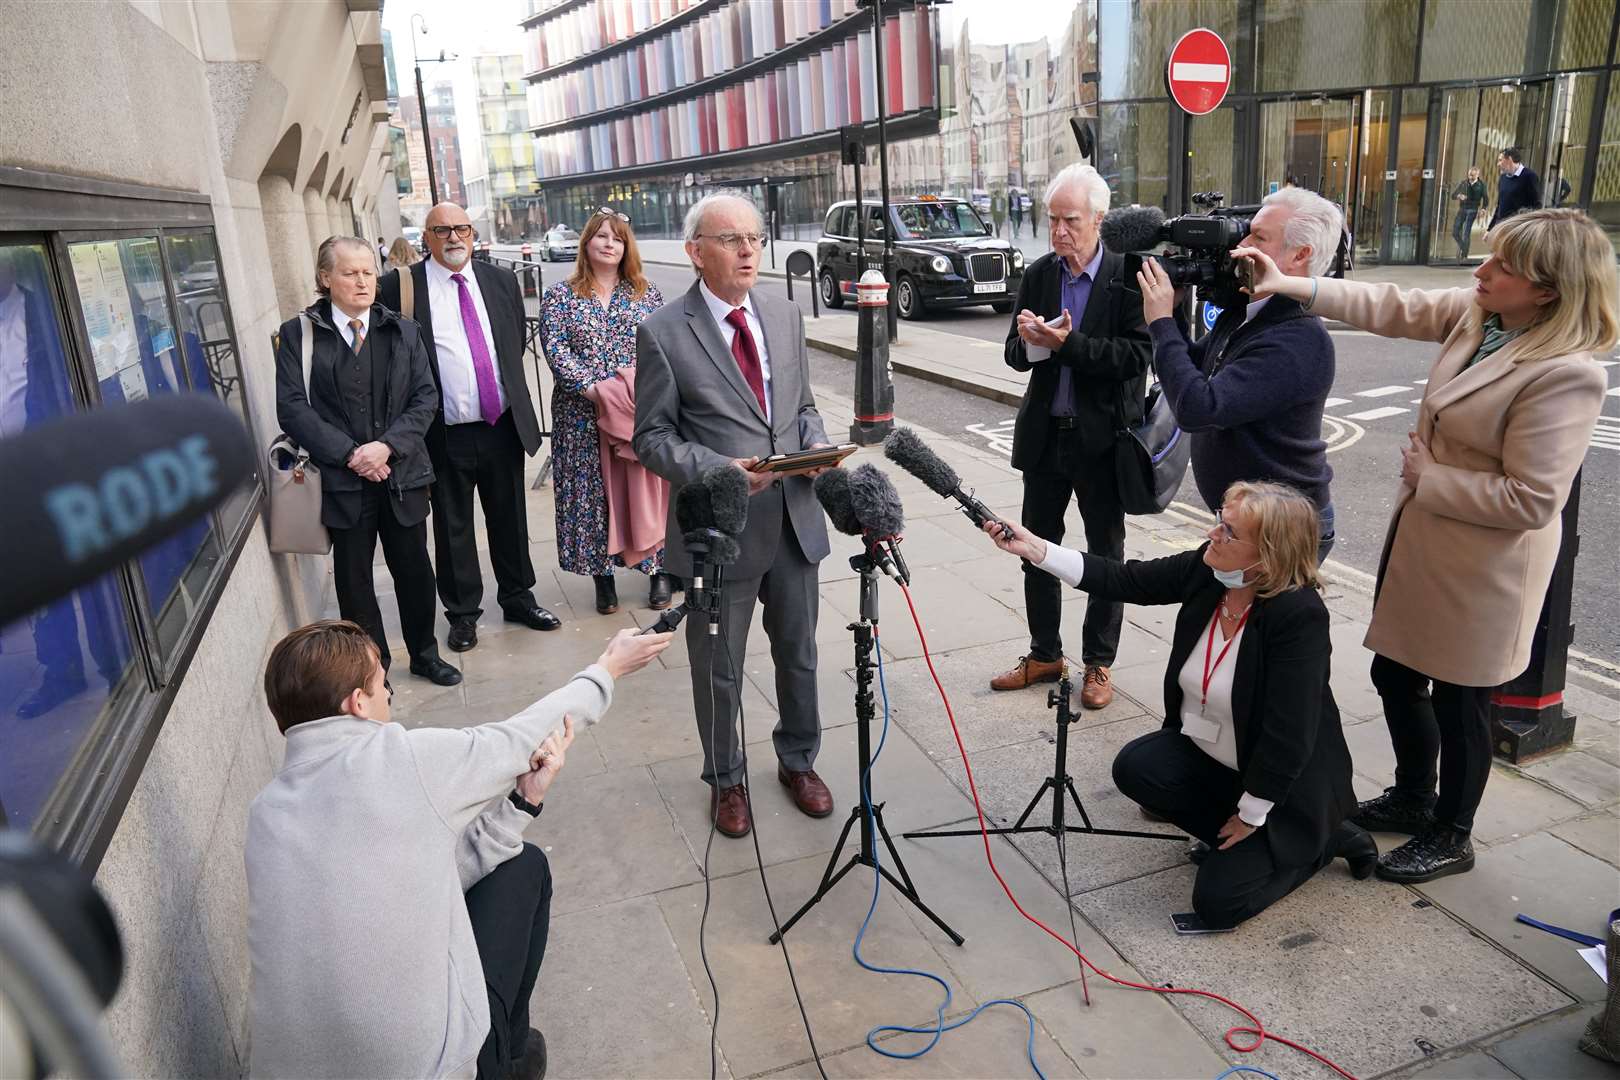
<point>940,1026</point>
<point>1246,1069</point>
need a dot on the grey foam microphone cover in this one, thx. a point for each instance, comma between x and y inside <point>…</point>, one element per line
<point>877,503</point>
<point>910,453</point>
<point>1131,228</point>
<point>832,491</point>
<point>693,509</point>
<point>728,495</point>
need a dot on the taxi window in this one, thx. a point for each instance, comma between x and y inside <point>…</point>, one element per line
<point>935,220</point>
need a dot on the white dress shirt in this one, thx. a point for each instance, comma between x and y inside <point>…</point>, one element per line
<point>1254,309</point>
<point>458,382</point>
<point>13,363</point>
<point>342,319</point>
<point>728,333</point>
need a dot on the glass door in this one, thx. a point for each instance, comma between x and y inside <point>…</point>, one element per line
<point>1310,143</point>
<point>1367,220</point>
<point>1541,118</point>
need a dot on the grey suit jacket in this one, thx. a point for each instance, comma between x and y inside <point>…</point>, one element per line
<point>695,412</point>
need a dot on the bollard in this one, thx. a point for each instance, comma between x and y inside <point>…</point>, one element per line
<point>874,378</point>
<point>1527,713</point>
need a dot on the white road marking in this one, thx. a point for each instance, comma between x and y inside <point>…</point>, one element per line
<point>1340,434</point>
<point>1335,402</point>
<point>1614,391</point>
<point>1417,401</point>
<point>1421,382</point>
<point>1379,414</point>
<point>1607,433</point>
<point>1383,391</point>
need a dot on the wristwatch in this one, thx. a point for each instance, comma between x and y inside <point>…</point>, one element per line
<point>532,809</point>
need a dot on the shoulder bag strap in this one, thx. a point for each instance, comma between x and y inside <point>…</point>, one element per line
<point>307,350</point>
<point>407,292</point>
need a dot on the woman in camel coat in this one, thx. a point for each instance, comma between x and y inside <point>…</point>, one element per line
<point>1506,418</point>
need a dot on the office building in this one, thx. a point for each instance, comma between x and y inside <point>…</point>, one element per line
<point>503,120</point>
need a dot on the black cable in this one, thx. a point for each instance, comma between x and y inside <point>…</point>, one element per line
<point>759,859</point>
<point>703,922</point>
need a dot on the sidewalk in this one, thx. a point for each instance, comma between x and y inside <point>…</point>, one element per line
<point>1382,978</point>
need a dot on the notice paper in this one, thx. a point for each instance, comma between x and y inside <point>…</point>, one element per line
<point>1598,961</point>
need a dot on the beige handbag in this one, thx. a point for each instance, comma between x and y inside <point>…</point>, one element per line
<point>295,483</point>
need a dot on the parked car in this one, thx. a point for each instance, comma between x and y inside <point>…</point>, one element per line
<point>560,244</point>
<point>413,237</point>
<point>944,256</point>
<point>200,275</point>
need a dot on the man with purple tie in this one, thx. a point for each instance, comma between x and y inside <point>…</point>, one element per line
<point>472,319</point>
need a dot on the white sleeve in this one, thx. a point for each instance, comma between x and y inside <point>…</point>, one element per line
<point>1065,564</point>
<point>1252,810</point>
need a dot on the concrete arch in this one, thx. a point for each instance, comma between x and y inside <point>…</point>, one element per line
<point>285,232</point>
<point>318,220</point>
<point>283,160</point>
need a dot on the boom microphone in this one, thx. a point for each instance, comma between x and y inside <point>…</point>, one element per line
<point>910,453</point>
<point>1131,228</point>
<point>87,492</point>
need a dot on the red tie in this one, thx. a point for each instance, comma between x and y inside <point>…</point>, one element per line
<point>743,348</point>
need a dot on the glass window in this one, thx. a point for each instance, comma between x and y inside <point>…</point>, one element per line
<point>1605,206</point>
<point>61,666</point>
<point>1583,33</point>
<point>938,220</point>
<point>137,354</point>
<point>1211,151</point>
<point>1474,39</point>
<point>1310,45</point>
<point>1133,153</point>
<point>1133,40</point>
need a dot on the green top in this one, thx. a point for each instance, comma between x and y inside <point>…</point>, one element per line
<point>1495,338</point>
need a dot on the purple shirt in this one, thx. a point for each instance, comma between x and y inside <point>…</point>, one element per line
<point>1075,292</point>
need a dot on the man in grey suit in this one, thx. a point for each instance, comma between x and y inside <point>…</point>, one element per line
<point>723,379</point>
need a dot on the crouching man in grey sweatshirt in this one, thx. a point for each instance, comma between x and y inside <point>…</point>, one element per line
<point>396,918</point>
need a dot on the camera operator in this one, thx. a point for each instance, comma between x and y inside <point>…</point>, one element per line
<point>387,873</point>
<point>1079,334</point>
<point>1253,390</point>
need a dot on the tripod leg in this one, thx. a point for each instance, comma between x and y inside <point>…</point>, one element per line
<point>1068,782</point>
<point>826,878</point>
<point>827,884</point>
<point>1033,803</point>
<point>916,902</point>
<point>888,842</point>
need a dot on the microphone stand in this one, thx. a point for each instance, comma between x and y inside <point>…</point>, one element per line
<point>1059,782</point>
<point>865,712</point>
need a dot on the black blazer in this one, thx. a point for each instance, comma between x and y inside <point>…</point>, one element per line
<point>1108,351</point>
<point>1290,746</point>
<point>404,401</point>
<point>503,300</point>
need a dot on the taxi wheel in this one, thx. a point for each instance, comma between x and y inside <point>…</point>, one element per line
<point>830,294</point>
<point>906,297</point>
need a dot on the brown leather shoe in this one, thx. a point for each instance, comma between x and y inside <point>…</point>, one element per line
<point>809,793</point>
<point>1027,672</point>
<point>1098,689</point>
<point>728,807</point>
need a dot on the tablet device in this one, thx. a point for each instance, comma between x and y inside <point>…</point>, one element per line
<point>805,460</point>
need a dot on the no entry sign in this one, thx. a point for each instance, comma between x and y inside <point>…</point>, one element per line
<point>1199,71</point>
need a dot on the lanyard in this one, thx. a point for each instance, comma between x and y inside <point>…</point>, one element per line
<point>1209,649</point>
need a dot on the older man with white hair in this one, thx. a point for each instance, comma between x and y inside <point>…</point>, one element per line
<point>1078,331</point>
<point>723,380</point>
<point>1252,391</point>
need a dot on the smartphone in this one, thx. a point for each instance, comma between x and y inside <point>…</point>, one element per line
<point>1188,922</point>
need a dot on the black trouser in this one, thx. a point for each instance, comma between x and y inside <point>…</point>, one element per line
<point>1462,231</point>
<point>1170,776</point>
<point>405,551</point>
<point>1064,471</point>
<point>1448,722</point>
<point>510,911</point>
<point>488,458</point>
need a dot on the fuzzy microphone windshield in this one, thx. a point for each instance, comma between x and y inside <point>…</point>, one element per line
<point>728,496</point>
<point>907,451</point>
<point>693,509</point>
<point>1131,228</point>
<point>832,491</point>
<point>877,505</point>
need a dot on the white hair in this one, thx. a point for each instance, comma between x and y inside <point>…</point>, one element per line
<point>1087,179</point>
<point>694,217</point>
<point>1312,221</point>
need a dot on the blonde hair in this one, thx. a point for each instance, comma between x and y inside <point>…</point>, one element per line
<point>400,253</point>
<point>583,281</point>
<point>1287,530</point>
<point>1565,251</point>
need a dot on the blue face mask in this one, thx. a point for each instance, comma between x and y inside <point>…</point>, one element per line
<point>1232,579</point>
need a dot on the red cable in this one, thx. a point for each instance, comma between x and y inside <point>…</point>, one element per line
<point>1233,1034</point>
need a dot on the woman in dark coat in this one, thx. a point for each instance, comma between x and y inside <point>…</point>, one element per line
<point>1251,759</point>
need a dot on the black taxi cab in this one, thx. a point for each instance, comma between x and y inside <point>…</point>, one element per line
<point>944,255</point>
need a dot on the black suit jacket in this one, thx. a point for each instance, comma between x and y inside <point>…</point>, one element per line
<point>503,300</point>
<point>1290,746</point>
<point>1108,351</point>
<point>403,399</point>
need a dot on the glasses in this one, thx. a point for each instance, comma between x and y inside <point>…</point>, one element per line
<point>443,231</point>
<point>735,241</point>
<point>608,211</point>
<point>1222,532</point>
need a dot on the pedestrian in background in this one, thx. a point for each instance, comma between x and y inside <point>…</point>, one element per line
<point>401,255</point>
<point>1470,196</point>
<point>1015,207</point>
<point>472,320</point>
<point>1518,188</point>
<point>610,510</point>
<point>1034,214</point>
<point>1505,421</point>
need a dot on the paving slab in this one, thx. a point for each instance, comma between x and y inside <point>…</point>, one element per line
<point>1125,1033</point>
<point>1596,834</point>
<point>1514,806</point>
<point>1581,776</point>
<point>952,617</point>
<point>652,718</point>
<point>1474,1065</point>
<point>605,1017</point>
<point>511,663</point>
<point>760,1026</point>
<point>1547,879</point>
<point>1552,1049</point>
<point>1350,968</point>
<point>1352,687</point>
<point>994,1044</point>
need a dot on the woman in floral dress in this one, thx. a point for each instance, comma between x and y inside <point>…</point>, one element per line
<point>588,328</point>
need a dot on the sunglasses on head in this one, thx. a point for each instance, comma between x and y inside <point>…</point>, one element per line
<point>608,211</point>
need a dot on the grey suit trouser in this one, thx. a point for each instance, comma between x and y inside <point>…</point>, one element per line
<point>789,592</point>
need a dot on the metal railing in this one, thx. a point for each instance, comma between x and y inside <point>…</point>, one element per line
<point>530,283</point>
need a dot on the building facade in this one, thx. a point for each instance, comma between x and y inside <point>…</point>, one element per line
<point>503,120</point>
<point>150,244</point>
<point>1381,105</point>
<point>441,144</point>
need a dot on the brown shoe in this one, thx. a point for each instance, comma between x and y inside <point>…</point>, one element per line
<point>809,793</point>
<point>1097,690</point>
<point>1027,672</point>
<point>728,807</point>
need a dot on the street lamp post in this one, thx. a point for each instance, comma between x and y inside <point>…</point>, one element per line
<point>421,105</point>
<point>883,151</point>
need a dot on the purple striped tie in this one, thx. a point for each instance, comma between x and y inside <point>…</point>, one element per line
<point>489,395</point>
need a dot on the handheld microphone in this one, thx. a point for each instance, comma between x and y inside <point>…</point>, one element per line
<point>910,453</point>
<point>881,514</point>
<point>1131,228</point>
<point>85,493</point>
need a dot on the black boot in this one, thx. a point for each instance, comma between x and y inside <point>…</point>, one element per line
<point>56,686</point>
<point>1355,846</point>
<point>1396,811</point>
<point>1197,852</point>
<point>607,595</point>
<point>658,594</point>
<point>1434,854</point>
